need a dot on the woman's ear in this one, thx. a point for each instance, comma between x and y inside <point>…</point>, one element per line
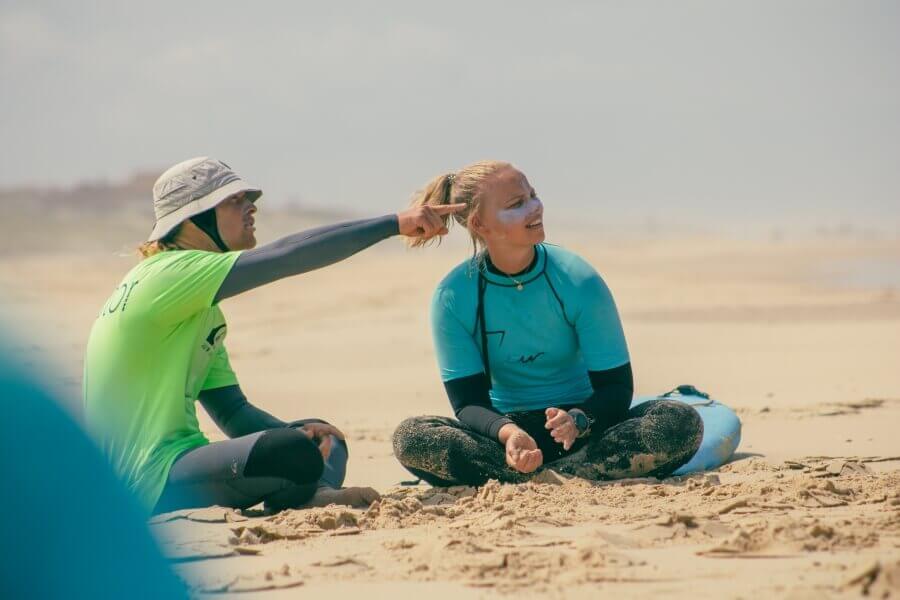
<point>476,225</point>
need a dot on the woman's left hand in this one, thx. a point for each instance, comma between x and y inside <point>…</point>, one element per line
<point>562,427</point>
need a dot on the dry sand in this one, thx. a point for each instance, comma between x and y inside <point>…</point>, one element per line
<point>776,329</point>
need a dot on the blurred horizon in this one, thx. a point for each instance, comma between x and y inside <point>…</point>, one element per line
<point>739,116</point>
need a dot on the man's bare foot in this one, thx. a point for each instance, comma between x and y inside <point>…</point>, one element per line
<point>357,497</point>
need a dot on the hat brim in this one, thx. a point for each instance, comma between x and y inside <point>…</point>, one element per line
<point>211,200</point>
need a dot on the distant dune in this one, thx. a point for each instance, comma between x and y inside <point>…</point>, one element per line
<point>132,195</point>
<point>109,216</point>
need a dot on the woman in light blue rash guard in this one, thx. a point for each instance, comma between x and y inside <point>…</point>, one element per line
<point>532,355</point>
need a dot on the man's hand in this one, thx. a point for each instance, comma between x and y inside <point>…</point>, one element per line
<point>425,221</point>
<point>321,433</point>
<point>562,427</point>
<point>522,453</point>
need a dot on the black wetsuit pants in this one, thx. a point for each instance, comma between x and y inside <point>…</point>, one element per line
<point>281,467</point>
<point>656,438</point>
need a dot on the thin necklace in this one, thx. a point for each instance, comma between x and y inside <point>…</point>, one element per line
<point>518,283</point>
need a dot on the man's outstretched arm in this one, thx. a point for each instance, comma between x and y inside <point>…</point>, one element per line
<point>323,246</point>
<point>304,251</point>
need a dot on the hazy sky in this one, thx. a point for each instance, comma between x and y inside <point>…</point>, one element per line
<point>748,111</point>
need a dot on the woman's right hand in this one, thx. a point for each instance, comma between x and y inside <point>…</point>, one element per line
<point>425,221</point>
<point>522,453</point>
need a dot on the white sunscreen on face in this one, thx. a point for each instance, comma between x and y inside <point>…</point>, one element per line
<point>520,214</point>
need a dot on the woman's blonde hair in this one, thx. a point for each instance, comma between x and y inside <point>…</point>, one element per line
<point>460,187</point>
<point>167,242</point>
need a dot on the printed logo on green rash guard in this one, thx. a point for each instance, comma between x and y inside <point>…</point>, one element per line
<point>214,336</point>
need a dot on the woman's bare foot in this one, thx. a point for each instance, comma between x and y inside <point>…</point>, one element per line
<point>357,497</point>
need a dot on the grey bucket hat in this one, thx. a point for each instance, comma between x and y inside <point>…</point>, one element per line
<point>191,187</point>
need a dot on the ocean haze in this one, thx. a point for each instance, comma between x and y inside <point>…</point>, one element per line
<point>716,114</point>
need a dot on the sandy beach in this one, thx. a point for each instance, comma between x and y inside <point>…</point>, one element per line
<point>731,169</point>
<point>798,334</point>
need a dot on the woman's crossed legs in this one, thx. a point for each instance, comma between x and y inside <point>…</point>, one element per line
<point>656,438</point>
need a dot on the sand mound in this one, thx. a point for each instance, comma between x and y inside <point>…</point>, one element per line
<point>558,530</point>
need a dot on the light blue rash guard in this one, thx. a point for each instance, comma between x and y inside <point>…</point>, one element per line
<point>542,339</point>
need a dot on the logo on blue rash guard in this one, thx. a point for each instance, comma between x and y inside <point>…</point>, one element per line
<point>500,332</point>
<point>530,358</point>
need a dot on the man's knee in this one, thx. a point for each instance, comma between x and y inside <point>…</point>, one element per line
<point>301,422</point>
<point>285,453</point>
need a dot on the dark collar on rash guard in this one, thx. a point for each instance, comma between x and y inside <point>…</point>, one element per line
<point>207,222</point>
<point>535,269</point>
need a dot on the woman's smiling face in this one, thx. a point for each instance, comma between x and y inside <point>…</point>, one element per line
<point>510,212</point>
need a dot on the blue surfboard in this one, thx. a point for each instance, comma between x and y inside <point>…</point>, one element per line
<point>721,428</point>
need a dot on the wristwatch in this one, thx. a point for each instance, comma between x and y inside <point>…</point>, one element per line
<point>582,421</point>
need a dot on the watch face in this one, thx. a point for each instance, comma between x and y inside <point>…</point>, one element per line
<point>581,421</point>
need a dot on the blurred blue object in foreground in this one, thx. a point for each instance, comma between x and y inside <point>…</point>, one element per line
<point>71,529</point>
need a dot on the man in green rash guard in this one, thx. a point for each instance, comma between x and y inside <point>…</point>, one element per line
<point>157,346</point>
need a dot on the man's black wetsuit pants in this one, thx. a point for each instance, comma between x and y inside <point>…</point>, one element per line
<point>281,467</point>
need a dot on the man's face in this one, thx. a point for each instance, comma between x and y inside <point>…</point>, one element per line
<point>234,216</point>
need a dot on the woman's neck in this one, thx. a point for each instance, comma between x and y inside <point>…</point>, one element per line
<point>511,260</point>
